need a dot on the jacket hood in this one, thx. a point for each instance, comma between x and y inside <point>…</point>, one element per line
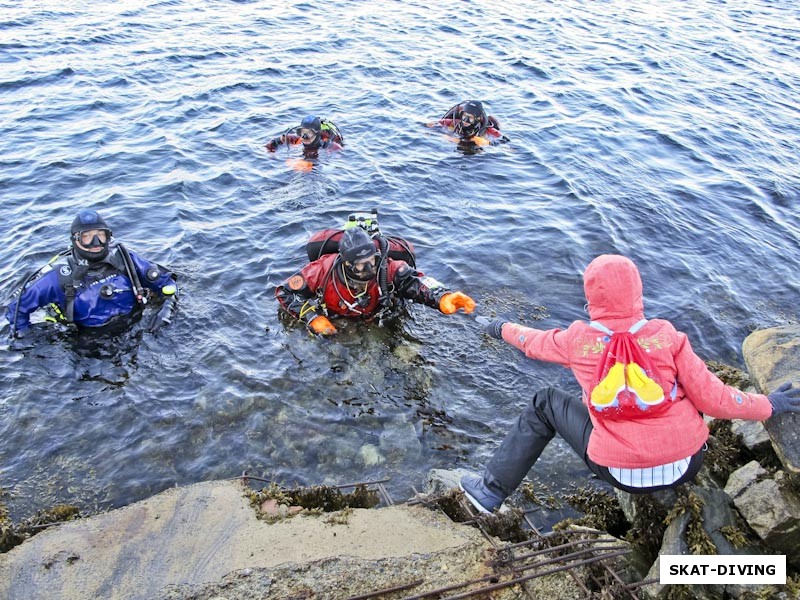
<point>613,289</point>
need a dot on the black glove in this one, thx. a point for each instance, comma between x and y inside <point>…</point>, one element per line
<point>492,327</point>
<point>273,144</point>
<point>164,316</point>
<point>785,399</point>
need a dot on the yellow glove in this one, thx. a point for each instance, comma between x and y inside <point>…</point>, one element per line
<point>321,325</point>
<point>450,303</point>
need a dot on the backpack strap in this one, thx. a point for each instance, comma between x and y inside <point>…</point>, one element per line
<point>637,326</point>
<point>70,281</point>
<point>600,327</point>
<point>69,309</point>
<point>633,328</point>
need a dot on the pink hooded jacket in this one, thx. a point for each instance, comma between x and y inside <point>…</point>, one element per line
<point>613,289</point>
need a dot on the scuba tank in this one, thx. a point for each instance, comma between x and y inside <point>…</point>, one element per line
<point>333,131</point>
<point>327,241</point>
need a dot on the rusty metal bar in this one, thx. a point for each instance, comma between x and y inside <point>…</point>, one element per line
<point>453,587</point>
<point>584,531</point>
<point>642,583</point>
<point>378,483</point>
<point>510,563</point>
<point>470,510</point>
<point>621,583</point>
<point>576,553</point>
<point>543,538</point>
<point>568,557</point>
<point>589,531</point>
<point>531,525</point>
<point>610,573</point>
<point>523,586</point>
<point>383,492</point>
<point>519,580</point>
<point>509,583</point>
<point>244,476</point>
<point>543,551</point>
<point>346,485</point>
<point>564,558</point>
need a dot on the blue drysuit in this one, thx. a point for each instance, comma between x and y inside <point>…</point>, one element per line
<point>103,290</point>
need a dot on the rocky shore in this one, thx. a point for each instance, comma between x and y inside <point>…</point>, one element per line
<point>227,540</point>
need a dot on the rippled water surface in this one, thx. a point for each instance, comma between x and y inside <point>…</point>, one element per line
<point>668,134</point>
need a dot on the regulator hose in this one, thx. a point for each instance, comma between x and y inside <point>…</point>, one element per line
<point>383,271</point>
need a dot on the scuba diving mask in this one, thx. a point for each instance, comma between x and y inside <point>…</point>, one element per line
<point>363,269</point>
<point>358,253</point>
<point>310,129</point>
<point>468,120</point>
<point>90,235</point>
<point>92,244</point>
<point>472,118</point>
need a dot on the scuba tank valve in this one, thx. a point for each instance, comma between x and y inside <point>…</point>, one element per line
<point>368,221</point>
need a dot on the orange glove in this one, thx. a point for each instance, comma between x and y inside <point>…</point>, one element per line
<point>321,325</point>
<point>450,303</point>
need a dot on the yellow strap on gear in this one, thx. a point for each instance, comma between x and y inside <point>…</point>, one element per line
<point>307,308</point>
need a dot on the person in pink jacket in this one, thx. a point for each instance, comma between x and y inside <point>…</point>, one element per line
<point>639,454</point>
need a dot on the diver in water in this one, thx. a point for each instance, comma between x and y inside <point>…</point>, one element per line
<point>469,121</point>
<point>314,133</point>
<point>362,281</point>
<point>92,284</point>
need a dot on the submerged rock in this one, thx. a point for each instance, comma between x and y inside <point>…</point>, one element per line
<point>370,455</point>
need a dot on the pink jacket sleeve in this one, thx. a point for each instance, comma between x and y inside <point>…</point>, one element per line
<point>550,345</point>
<point>709,394</point>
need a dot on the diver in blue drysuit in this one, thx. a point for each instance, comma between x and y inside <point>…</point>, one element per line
<point>95,283</point>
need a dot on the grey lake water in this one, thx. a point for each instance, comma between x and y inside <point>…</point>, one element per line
<point>668,133</point>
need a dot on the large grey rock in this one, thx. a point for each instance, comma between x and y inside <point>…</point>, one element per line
<point>772,510</point>
<point>203,535</point>
<point>744,477</point>
<point>773,357</point>
<point>753,433</point>
<point>630,503</point>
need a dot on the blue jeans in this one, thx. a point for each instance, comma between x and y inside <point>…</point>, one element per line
<point>554,412</point>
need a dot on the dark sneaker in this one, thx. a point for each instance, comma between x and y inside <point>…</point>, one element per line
<point>476,491</point>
